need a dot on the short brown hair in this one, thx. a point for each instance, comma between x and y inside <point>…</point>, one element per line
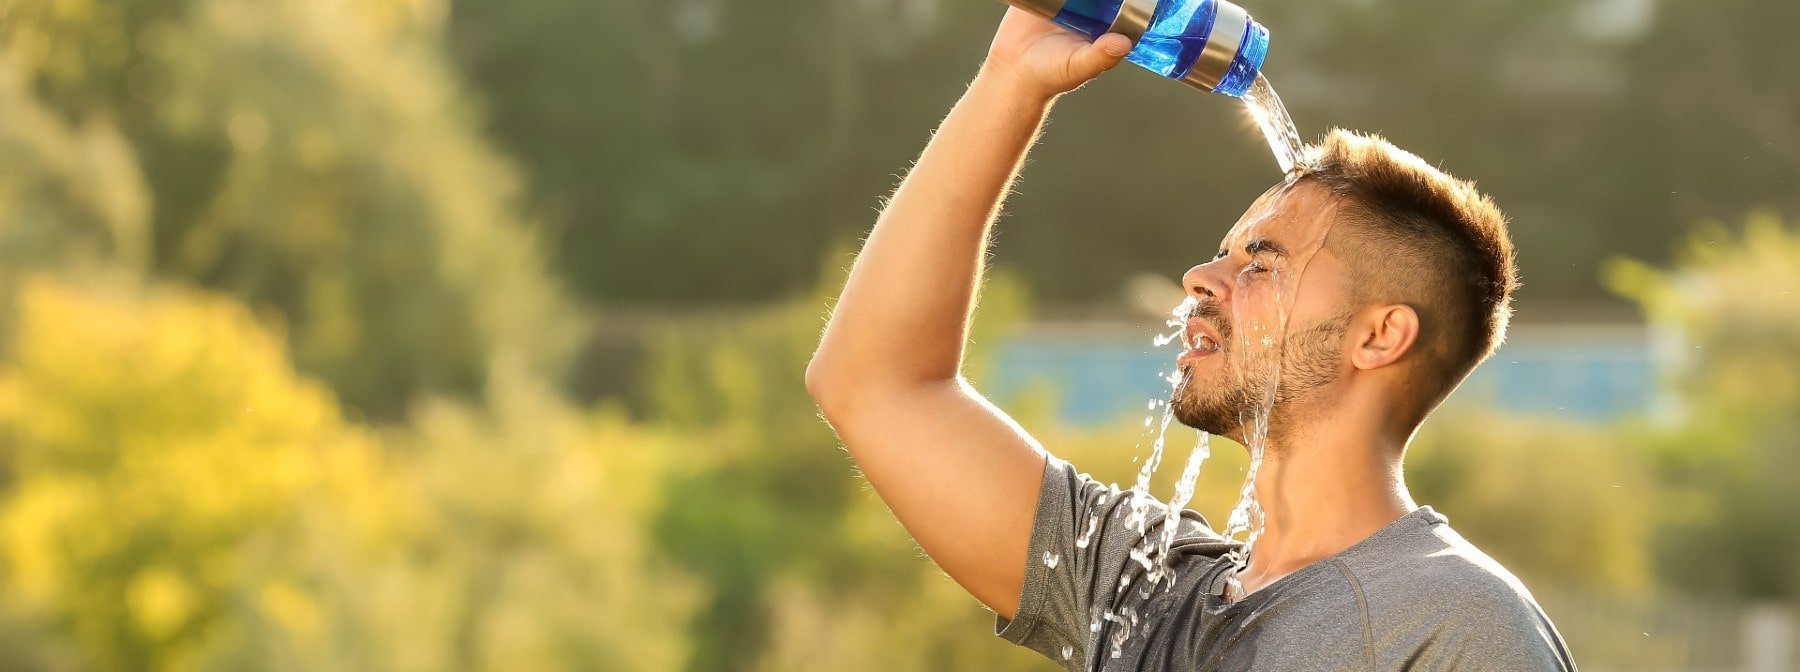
<point>1420,236</point>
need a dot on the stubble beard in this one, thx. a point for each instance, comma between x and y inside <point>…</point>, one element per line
<point>1237,395</point>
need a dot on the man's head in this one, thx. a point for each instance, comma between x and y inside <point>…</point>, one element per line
<point>1370,273</point>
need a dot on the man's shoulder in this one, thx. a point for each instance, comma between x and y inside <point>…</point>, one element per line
<point>1431,566</point>
<point>1457,598</point>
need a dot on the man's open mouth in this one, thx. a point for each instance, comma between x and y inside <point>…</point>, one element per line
<point>1199,338</point>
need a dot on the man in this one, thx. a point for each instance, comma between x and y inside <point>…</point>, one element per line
<point>1374,281</point>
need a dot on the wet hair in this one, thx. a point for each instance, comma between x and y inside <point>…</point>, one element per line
<point>1416,235</point>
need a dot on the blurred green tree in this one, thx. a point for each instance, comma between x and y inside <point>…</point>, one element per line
<point>311,158</point>
<point>1559,504</point>
<point>533,550</point>
<point>71,196</point>
<point>1731,307</point>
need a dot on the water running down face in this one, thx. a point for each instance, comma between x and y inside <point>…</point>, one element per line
<point>1273,303</point>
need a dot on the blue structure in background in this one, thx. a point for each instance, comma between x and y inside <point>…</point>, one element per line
<point>1106,377</point>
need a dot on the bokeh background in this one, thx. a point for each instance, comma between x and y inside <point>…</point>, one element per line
<point>469,334</point>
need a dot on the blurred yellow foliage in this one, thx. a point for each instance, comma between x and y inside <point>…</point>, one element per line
<point>151,437</point>
<point>176,496</point>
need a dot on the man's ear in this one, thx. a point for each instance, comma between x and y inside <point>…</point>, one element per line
<point>1383,335</point>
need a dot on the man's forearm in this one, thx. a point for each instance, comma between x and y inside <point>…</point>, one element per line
<point>904,313</point>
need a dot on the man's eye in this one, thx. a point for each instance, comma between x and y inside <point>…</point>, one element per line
<point>1256,267</point>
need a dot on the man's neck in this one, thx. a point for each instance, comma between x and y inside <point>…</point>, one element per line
<point>1322,494</point>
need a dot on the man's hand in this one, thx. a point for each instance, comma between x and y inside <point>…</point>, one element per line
<point>1046,60</point>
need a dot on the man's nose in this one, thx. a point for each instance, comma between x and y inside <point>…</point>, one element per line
<point>1206,281</point>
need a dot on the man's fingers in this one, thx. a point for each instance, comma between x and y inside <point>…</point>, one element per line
<point>1100,56</point>
<point>1114,46</point>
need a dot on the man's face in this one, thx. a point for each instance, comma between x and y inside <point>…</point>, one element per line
<point>1272,306</point>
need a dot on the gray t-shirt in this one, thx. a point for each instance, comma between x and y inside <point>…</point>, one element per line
<point>1415,595</point>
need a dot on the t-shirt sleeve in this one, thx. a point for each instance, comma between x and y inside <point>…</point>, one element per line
<point>1082,538</point>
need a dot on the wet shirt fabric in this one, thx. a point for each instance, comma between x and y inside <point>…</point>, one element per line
<point>1413,596</point>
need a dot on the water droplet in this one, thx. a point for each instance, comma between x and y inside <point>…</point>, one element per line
<point>1120,634</point>
<point>1051,559</point>
<point>1142,557</point>
<point>1068,652</point>
<point>1093,524</point>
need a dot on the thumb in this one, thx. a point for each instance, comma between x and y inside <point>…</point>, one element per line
<point>1100,56</point>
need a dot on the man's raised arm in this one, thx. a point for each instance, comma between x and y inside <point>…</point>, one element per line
<point>959,474</point>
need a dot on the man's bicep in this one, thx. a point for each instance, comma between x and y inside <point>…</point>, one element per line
<point>963,479</point>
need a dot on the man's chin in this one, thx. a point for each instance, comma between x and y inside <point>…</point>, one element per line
<point>1212,420</point>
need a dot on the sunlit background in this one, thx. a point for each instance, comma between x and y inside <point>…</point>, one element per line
<point>469,334</point>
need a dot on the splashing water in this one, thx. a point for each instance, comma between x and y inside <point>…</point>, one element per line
<point>1277,127</point>
<point>1093,524</point>
<point>1265,107</point>
<point>1259,364</point>
<point>1256,365</point>
<point>1184,492</point>
<point>1140,491</point>
<point>1177,323</point>
<point>1153,552</point>
<point>1121,633</point>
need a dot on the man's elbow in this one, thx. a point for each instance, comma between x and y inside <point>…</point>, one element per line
<point>824,384</point>
<point>816,378</point>
<point>840,390</point>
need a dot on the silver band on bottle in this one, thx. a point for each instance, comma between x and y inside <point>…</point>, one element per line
<point>1229,27</point>
<point>1133,19</point>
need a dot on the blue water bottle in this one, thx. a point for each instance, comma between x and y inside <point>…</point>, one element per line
<point>1212,45</point>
